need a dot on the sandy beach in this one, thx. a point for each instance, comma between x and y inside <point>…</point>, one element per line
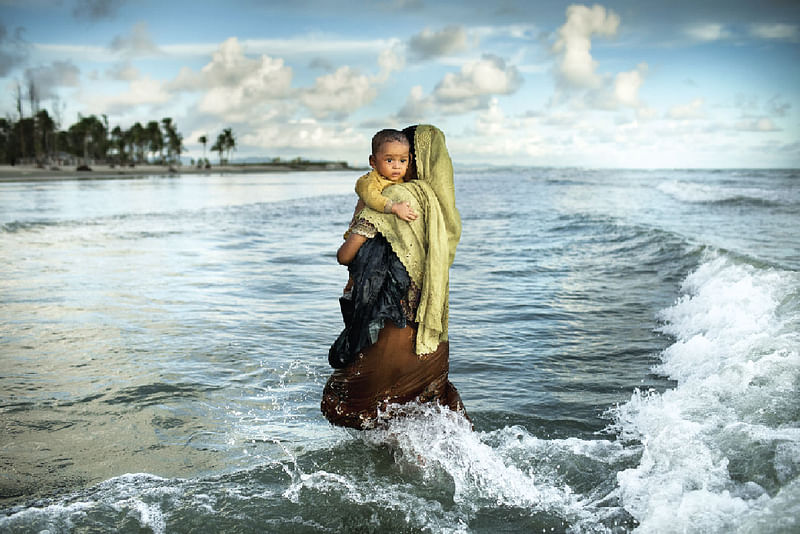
<point>32,173</point>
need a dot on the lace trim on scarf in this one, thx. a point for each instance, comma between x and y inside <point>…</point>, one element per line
<point>363,227</point>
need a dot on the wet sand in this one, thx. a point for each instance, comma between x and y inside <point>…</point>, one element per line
<point>31,173</point>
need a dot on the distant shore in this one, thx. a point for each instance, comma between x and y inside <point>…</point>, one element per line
<point>32,173</point>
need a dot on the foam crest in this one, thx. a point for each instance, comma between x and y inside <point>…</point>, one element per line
<point>434,449</point>
<point>132,499</point>
<point>507,467</point>
<point>718,447</point>
<point>441,441</point>
<point>693,192</point>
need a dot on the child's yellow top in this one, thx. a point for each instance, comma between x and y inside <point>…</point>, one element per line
<point>370,188</point>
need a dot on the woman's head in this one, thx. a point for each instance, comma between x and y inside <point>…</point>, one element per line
<point>411,173</point>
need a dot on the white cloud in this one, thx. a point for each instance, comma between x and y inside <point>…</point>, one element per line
<point>237,87</point>
<point>306,134</point>
<point>389,61</point>
<point>692,110</point>
<point>259,77</point>
<point>428,44</point>
<point>339,93</point>
<point>144,91</point>
<point>469,88</point>
<point>417,106</point>
<point>707,32</point>
<point>495,134</point>
<point>464,91</point>
<point>491,122</point>
<point>124,72</point>
<point>576,66</point>
<point>187,80</point>
<point>627,84</point>
<point>775,31</point>
<point>620,92</point>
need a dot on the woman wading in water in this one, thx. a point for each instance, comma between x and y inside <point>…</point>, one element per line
<point>394,348</point>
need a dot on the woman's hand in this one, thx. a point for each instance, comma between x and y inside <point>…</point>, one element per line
<point>349,248</point>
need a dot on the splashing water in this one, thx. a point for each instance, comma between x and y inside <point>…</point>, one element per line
<point>719,451</point>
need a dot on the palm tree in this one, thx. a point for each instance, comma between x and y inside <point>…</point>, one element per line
<point>20,138</point>
<point>202,139</point>
<point>138,141</point>
<point>88,135</point>
<point>229,141</point>
<point>174,140</point>
<point>45,127</point>
<point>155,139</point>
<point>105,142</point>
<point>118,144</point>
<point>219,146</point>
<point>9,143</point>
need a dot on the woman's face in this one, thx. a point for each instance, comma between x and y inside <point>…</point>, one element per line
<point>391,161</point>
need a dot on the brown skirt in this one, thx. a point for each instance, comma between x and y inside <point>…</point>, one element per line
<point>388,372</point>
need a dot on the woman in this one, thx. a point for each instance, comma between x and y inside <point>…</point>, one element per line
<point>394,347</point>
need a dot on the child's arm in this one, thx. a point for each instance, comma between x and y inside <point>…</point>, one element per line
<point>369,188</point>
<point>369,191</point>
<point>349,248</point>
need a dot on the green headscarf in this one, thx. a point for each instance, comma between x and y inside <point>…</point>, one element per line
<point>426,246</point>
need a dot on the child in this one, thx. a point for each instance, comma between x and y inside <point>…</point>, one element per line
<point>389,161</point>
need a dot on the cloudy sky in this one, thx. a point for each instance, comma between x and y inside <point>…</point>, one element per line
<point>622,83</point>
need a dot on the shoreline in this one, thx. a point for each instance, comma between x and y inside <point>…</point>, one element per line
<point>32,173</point>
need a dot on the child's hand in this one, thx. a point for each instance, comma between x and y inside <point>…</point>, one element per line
<point>404,211</point>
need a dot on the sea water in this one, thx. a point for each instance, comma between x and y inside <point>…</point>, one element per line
<point>627,344</point>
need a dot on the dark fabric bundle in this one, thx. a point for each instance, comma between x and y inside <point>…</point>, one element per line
<point>380,284</point>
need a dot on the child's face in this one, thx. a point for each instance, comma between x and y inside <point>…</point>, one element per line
<point>391,161</point>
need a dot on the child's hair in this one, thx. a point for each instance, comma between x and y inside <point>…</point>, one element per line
<point>386,136</point>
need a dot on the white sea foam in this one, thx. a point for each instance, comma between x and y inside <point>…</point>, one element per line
<point>693,192</point>
<point>137,496</point>
<point>441,441</point>
<point>719,451</point>
<point>505,468</point>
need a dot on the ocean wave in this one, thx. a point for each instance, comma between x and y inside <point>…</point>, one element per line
<point>25,226</point>
<point>697,193</point>
<point>720,449</point>
<point>552,484</point>
<point>425,472</point>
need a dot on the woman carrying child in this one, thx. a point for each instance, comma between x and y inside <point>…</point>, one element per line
<point>394,347</point>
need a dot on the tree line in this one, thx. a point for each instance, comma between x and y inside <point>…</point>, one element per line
<point>38,139</point>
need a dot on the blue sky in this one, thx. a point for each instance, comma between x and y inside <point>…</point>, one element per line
<point>613,84</point>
